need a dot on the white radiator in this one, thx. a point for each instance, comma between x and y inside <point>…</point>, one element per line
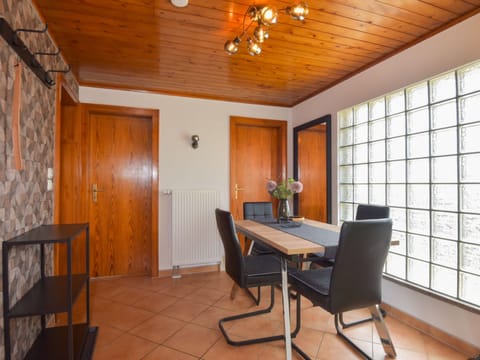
<point>194,230</point>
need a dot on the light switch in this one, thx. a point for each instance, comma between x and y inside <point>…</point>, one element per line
<point>49,179</point>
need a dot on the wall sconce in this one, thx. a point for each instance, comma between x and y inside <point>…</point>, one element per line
<point>195,140</point>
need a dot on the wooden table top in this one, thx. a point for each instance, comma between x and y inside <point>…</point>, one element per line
<point>286,243</point>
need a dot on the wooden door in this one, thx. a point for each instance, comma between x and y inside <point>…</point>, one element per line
<point>120,192</point>
<point>117,149</point>
<point>312,172</point>
<point>258,152</point>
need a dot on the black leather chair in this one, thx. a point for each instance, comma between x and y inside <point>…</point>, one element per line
<point>249,271</point>
<point>261,211</point>
<point>368,211</point>
<point>354,281</point>
<point>364,212</point>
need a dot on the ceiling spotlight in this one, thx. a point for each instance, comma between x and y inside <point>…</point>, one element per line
<point>298,11</point>
<point>231,46</point>
<point>260,33</point>
<point>267,15</point>
<point>264,16</point>
<point>179,3</point>
<point>253,47</point>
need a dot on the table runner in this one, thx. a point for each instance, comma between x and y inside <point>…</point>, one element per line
<point>326,238</point>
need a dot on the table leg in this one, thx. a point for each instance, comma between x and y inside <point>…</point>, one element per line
<point>286,309</point>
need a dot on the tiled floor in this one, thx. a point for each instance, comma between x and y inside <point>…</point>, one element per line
<point>162,318</point>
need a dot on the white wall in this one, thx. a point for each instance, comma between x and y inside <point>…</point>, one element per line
<point>449,49</point>
<point>180,166</point>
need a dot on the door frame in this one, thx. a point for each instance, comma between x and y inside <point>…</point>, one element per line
<point>327,120</point>
<point>154,116</point>
<point>281,125</point>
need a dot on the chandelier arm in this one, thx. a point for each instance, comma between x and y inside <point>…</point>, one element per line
<point>244,30</point>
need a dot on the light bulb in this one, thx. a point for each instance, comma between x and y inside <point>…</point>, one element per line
<point>299,11</point>
<point>267,15</point>
<point>231,46</point>
<point>253,47</point>
<point>260,33</point>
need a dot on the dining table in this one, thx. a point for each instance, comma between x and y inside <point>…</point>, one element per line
<point>290,240</point>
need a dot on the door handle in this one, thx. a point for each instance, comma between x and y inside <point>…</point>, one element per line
<point>237,189</point>
<point>95,191</point>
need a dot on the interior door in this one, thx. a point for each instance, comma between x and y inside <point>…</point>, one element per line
<point>115,148</point>
<point>312,168</point>
<point>120,193</point>
<point>258,151</point>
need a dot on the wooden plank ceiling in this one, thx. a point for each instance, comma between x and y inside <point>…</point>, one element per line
<point>154,46</point>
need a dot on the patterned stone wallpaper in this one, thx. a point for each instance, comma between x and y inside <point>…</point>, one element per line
<point>25,202</point>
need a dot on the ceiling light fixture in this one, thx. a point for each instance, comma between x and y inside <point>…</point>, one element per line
<point>179,3</point>
<point>264,16</point>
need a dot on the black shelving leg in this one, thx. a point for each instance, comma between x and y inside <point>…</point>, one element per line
<point>6,302</point>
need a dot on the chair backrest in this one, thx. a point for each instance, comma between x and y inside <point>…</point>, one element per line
<point>259,211</point>
<point>367,211</point>
<point>234,262</point>
<point>357,273</point>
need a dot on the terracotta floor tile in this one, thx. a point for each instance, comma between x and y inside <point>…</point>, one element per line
<point>193,339</point>
<point>165,353</point>
<point>106,335</point>
<point>221,350</point>
<point>158,328</point>
<point>402,354</point>
<point>156,302</point>
<point>334,348</point>
<point>318,319</point>
<point>241,303</point>
<point>223,285</point>
<point>125,347</point>
<point>403,336</point>
<point>119,316</point>
<point>210,317</point>
<point>185,310</point>
<point>144,282</point>
<point>129,296</point>
<point>361,331</point>
<point>102,288</point>
<point>438,351</point>
<point>177,289</point>
<point>177,319</point>
<point>309,341</point>
<point>205,296</point>
<point>255,327</point>
<point>276,351</point>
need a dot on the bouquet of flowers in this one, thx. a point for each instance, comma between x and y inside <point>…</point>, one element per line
<point>285,189</point>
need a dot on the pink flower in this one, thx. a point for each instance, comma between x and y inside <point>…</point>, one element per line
<point>296,186</point>
<point>271,185</point>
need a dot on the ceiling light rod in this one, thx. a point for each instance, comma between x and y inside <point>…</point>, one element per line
<point>264,16</point>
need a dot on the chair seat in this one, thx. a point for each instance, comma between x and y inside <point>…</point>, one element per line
<point>262,270</point>
<point>313,284</point>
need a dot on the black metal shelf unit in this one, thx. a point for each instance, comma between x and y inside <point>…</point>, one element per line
<point>52,294</point>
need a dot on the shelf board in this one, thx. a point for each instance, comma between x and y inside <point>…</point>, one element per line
<point>52,343</point>
<point>48,296</point>
<point>47,234</point>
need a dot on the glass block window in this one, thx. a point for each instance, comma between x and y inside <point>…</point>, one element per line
<point>417,150</point>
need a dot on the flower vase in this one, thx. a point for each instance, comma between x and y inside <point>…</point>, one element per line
<point>283,211</point>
